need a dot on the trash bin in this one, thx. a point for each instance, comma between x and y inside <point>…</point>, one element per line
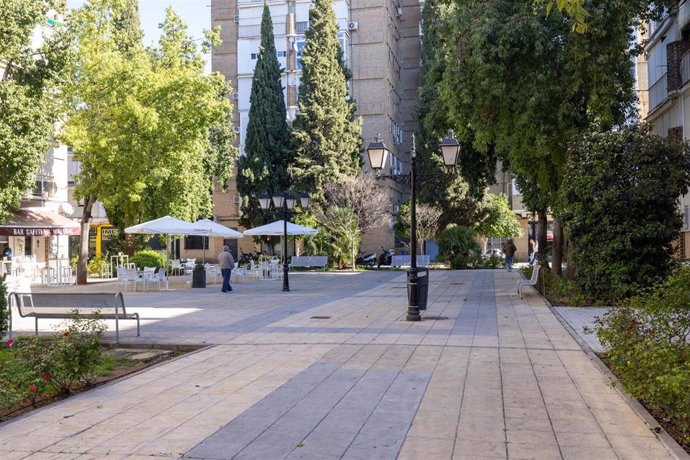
<point>422,287</point>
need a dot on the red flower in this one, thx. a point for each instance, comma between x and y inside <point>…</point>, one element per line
<point>46,376</point>
<point>32,388</point>
<point>65,334</point>
<point>10,342</point>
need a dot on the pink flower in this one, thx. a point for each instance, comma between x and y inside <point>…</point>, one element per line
<point>46,376</point>
<point>10,342</point>
<point>65,334</point>
<point>32,388</point>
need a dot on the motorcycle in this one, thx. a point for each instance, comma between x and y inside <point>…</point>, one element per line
<point>386,257</point>
<point>366,260</point>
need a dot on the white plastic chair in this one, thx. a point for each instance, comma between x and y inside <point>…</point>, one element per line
<point>211,271</point>
<point>131,276</point>
<point>176,267</point>
<point>160,277</point>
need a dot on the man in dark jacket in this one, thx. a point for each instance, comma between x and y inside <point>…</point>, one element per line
<point>509,250</point>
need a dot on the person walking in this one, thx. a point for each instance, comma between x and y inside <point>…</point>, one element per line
<point>509,250</point>
<point>535,248</point>
<point>227,263</point>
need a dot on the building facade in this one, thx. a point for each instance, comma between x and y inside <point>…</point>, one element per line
<point>381,45</point>
<point>663,74</point>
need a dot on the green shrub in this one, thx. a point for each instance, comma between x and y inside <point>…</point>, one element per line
<point>649,350</point>
<point>149,258</point>
<point>619,209</point>
<point>4,311</point>
<point>491,262</point>
<point>96,266</point>
<point>34,366</point>
<point>458,245</point>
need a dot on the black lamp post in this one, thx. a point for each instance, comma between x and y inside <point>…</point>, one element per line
<point>287,202</point>
<point>378,153</point>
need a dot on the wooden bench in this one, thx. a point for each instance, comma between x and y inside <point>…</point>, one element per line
<point>406,260</point>
<point>65,306</point>
<point>530,282</point>
<point>309,261</point>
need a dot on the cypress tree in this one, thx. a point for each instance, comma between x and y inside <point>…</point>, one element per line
<point>128,26</point>
<point>326,136</point>
<point>264,167</point>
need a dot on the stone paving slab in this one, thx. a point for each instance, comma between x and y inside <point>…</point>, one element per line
<point>332,370</point>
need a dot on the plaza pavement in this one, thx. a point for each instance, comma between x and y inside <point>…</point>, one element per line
<point>332,370</point>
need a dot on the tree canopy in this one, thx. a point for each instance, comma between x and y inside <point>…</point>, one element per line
<point>30,104</point>
<point>326,136</point>
<point>145,147</point>
<point>620,209</point>
<point>264,166</point>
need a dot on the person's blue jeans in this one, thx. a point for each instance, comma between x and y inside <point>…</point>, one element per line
<point>226,279</point>
<point>509,262</point>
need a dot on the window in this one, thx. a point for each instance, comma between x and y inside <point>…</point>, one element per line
<point>278,53</point>
<point>195,242</point>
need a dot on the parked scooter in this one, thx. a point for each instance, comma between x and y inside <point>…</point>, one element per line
<point>386,257</point>
<point>366,260</point>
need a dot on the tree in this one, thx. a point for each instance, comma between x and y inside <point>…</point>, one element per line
<point>524,85</point>
<point>327,139</point>
<point>428,222</point>
<point>29,102</point>
<point>264,167</point>
<point>620,209</point>
<point>499,221</point>
<point>145,147</point>
<point>352,199</point>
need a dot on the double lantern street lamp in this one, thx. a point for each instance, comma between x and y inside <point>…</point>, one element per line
<point>287,202</point>
<point>378,154</point>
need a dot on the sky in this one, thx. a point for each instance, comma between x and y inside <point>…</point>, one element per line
<point>195,13</point>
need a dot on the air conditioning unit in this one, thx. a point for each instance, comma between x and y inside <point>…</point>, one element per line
<point>237,199</point>
<point>237,18</point>
<point>398,11</point>
<point>354,25</point>
<point>235,95</point>
<point>236,129</point>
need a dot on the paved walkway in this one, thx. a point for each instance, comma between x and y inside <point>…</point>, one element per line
<point>332,370</point>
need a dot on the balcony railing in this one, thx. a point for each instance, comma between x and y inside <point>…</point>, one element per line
<point>685,69</point>
<point>658,92</point>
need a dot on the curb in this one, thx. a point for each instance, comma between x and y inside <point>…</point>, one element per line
<point>666,439</point>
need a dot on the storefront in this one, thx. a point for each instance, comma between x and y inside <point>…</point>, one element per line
<point>38,239</point>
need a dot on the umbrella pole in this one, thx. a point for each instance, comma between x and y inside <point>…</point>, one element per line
<point>205,242</point>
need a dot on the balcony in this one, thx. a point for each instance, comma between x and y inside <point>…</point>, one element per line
<point>685,69</point>
<point>658,93</point>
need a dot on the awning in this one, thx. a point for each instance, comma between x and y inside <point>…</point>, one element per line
<point>39,222</point>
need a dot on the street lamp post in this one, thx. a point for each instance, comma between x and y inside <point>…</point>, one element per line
<point>286,202</point>
<point>378,153</point>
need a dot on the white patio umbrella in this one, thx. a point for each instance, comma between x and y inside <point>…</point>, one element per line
<point>165,226</point>
<point>276,229</point>
<point>207,228</point>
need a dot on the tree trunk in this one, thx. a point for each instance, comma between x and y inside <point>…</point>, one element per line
<point>129,238</point>
<point>556,268</point>
<point>541,237</point>
<point>82,272</point>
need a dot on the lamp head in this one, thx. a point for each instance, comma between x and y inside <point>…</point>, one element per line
<point>378,154</point>
<point>264,201</point>
<point>450,149</point>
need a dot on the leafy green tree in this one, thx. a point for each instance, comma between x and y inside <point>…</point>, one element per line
<point>326,137</point>
<point>143,122</point>
<point>459,196</point>
<point>30,105</point>
<point>499,220</point>
<point>620,209</point>
<point>458,245</point>
<point>522,85</point>
<point>264,167</point>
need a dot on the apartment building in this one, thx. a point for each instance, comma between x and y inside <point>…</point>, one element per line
<point>381,45</point>
<point>663,74</point>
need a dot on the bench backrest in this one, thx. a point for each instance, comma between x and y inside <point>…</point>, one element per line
<point>406,260</point>
<point>535,274</point>
<point>309,261</point>
<point>72,301</point>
